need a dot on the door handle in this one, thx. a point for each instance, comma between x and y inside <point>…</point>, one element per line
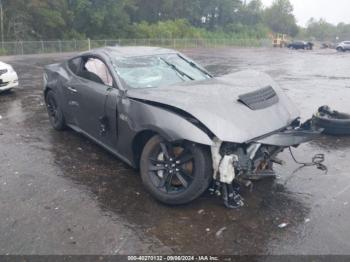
<point>72,89</point>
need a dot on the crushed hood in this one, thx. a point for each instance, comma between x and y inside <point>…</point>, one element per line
<point>214,102</point>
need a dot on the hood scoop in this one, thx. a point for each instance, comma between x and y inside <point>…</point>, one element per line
<point>260,99</point>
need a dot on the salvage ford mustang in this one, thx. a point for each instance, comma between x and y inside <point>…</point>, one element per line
<point>163,113</point>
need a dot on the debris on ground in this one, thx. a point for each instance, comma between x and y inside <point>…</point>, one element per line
<point>333,122</point>
<point>220,231</point>
<point>201,211</point>
<point>307,220</point>
<point>207,229</point>
<point>283,225</point>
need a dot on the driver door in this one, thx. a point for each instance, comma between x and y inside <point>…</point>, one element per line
<point>95,101</point>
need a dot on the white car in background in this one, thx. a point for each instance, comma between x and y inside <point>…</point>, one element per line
<point>8,77</point>
<point>343,46</point>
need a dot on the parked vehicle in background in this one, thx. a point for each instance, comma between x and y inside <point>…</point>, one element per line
<point>301,45</point>
<point>343,46</point>
<point>8,77</point>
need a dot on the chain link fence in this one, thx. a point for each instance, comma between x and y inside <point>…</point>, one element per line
<point>44,47</point>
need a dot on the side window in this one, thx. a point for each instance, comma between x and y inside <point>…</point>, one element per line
<point>98,68</point>
<point>74,65</point>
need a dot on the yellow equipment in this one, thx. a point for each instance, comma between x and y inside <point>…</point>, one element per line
<point>280,40</point>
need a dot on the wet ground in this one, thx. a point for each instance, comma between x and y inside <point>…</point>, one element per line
<point>62,194</point>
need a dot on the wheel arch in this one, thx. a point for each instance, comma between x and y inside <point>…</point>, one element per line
<point>138,144</point>
<point>142,137</point>
<point>47,89</point>
<point>146,120</point>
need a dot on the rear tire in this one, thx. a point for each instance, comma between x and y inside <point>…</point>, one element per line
<point>54,111</point>
<point>175,174</point>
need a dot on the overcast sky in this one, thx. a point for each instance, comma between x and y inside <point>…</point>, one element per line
<point>334,11</point>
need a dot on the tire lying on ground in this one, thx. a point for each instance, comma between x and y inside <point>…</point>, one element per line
<point>333,122</point>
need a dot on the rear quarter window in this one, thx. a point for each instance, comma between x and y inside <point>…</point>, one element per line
<point>74,64</point>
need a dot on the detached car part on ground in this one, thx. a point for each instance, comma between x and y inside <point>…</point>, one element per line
<point>8,77</point>
<point>159,111</point>
<point>332,122</point>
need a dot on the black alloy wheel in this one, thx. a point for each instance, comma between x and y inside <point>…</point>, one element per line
<point>175,173</point>
<point>54,111</point>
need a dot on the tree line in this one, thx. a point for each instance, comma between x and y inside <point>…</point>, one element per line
<point>324,31</point>
<point>108,19</point>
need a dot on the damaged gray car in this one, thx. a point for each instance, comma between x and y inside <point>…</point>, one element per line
<point>163,113</point>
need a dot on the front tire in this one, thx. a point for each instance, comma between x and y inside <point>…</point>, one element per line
<point>175,173</point>
<point>54,111</point>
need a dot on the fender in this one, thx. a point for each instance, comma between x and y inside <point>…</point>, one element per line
<point>52,79</point>
<point>170,124</point>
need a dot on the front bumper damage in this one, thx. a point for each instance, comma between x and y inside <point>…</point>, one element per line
<point>8,80</point>
<point>239,164</point>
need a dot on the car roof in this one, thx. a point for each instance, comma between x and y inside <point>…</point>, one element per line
<point>130,51</point>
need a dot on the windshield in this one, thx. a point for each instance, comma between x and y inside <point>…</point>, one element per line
<point>158,70</point>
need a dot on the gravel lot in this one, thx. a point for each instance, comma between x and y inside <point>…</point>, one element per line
<point>62,194</point>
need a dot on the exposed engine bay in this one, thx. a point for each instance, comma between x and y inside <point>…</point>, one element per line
<point>240,164</point>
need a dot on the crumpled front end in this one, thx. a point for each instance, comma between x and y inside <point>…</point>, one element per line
<point>235,108</point>
<point>240,164</point>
